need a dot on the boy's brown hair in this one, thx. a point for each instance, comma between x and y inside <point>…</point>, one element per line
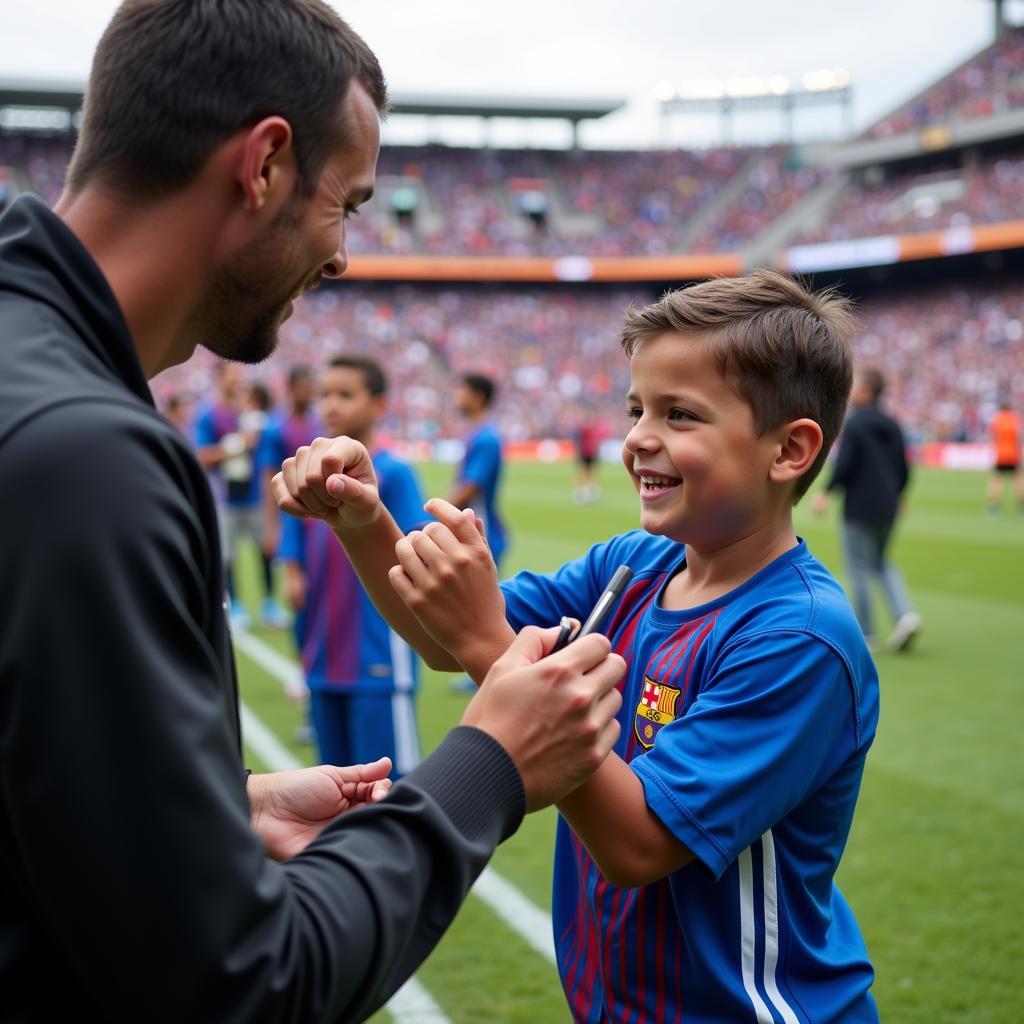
<point>786,348</point>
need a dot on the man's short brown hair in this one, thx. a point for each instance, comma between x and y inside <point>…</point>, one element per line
<point>174,79</point>
<point>786,348</point>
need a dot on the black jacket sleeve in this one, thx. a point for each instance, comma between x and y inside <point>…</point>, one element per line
<point>846,456</point>
<point>123,782</point>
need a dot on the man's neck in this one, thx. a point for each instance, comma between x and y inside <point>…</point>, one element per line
<point>150,264</point>
<point>300,410</point>
<point>474,419</point>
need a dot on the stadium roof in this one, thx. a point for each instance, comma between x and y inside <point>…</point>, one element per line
<point>573,109</point>
<point>27,92</point>
<point>68,96</point>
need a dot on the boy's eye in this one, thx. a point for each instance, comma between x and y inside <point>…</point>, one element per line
<point>351,211</point>
<point>679,415</point>
<point>634,413</point>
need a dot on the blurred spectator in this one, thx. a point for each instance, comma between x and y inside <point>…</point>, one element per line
<point>872,471</point>
<point>1006,431</point>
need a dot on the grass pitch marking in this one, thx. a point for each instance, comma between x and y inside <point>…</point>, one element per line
<point>412,1003</point>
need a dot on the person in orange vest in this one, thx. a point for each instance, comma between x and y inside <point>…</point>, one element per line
<point>1004,430</point>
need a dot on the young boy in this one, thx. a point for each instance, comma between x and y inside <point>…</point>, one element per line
<point>694,872</point>
<point>361,676</point>
<point>478,480</point>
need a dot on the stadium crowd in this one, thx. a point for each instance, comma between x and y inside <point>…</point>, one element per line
<point>989,83</point>
<point>946,352</point>
<point>947,194</point>
<point>445,201</point>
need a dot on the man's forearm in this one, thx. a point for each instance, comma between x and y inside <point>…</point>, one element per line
<point>371,550</point>
<point>632,849</point>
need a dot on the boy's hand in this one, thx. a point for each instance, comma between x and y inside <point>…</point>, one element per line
<point>554,715</point>
<point>331,479</point>
<point>295,586</point>
<point>447,577</point>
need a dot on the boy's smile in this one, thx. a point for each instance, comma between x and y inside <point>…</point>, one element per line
<point>693,454</point>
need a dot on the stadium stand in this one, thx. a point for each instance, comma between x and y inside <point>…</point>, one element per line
<point>990,83</point>
<point>954,190</point>
<point>945,352</point>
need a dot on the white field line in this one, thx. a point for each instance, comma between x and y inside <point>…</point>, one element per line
<point>412,1003</point>
<point>524,917</point>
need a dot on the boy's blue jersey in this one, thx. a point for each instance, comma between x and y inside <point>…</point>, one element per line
<point>747,721</point>
<point>481,466</point>
<point>286,433</point>
<point>213,424</point>
<point>346,646</point>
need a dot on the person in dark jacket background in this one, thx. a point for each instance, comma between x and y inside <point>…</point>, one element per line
<point>142,875</point>
<point>872,471</point>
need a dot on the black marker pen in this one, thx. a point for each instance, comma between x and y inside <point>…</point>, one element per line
<point>599,616</point>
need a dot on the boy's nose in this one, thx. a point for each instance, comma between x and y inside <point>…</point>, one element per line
<point>639,439</point>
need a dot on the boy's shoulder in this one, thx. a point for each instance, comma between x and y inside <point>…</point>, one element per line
<point>643,552</point>
<point>796,594</point>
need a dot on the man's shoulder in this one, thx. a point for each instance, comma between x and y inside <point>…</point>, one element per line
<point>100,449</point>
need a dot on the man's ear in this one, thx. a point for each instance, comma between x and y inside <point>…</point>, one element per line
<point>266,168</point>
<point>798,445</point>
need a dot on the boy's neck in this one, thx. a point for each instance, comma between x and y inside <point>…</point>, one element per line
<point>712,573</point>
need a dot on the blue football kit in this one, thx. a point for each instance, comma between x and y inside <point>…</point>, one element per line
<point>361,674</point>
<point>482,465</point>
<point>241,490</point>
<point>747,721</point>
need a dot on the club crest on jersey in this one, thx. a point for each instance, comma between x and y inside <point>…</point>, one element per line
<point>657,708</point>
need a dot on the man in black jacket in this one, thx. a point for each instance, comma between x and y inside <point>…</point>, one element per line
<point>141,876</point>
<point>871,469</point>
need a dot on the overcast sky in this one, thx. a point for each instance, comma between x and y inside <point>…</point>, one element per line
<point>600,48</point>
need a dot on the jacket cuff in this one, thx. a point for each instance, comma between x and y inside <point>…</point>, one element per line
<point>475,782</point>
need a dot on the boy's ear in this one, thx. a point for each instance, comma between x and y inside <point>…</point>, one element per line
<point>799,443</point>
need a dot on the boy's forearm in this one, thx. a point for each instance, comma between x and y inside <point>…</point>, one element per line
<point>463,494</point>
<point>271,513</point>
<point>371,550</point>
<point>479,653</point>
<point>610,815</point>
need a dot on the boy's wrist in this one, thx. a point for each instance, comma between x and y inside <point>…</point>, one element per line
<point>344,530</point>
<point>478,651</point>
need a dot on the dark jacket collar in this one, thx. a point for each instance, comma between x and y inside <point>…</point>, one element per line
<point>42,259</point>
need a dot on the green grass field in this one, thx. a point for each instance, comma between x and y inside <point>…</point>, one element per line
<point>934,868</point>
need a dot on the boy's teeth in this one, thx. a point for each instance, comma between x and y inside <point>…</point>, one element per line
<point>657,481</point>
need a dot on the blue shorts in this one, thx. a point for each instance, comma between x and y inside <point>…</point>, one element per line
<point>359,728</point>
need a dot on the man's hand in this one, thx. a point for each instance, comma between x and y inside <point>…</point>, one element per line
<point>447,578</point>
<point>554,714</point>
<point>290,809</point>
<point>331,479</point>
